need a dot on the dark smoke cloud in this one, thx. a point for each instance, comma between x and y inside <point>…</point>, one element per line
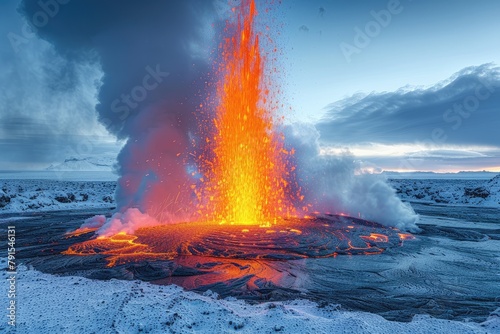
<point>154,56</point>
<point>127,37</point>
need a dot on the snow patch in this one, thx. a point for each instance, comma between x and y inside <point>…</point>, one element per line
<point>48,195</point>
<point>58,304</point>
<point>468,192</point>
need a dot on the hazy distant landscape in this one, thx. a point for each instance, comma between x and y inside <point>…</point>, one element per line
<point>73,185</point>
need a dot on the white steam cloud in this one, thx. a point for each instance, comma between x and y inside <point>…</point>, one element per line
<point>337,184</point>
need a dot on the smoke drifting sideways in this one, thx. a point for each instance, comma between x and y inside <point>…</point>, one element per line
<point>337,184</point>
<point>155,59</point>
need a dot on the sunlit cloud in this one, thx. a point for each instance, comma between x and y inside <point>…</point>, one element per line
<point>413,151</point>
<point>448,126</point>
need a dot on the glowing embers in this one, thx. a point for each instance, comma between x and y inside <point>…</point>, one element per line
<point>244,164</point>
<point>230,276</point>
<point>119,248</point>
<point>323,236</point>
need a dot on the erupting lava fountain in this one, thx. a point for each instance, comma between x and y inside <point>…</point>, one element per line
<point>245,167</point>
<point>247,195</point>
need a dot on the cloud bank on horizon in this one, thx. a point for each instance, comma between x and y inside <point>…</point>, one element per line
<point>453,124</point>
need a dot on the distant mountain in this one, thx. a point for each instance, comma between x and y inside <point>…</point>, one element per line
<point>84,164</point>
<point>464,175</point>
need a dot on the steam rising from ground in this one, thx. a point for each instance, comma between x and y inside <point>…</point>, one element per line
<point>127,222</point>
<point>337,183</point>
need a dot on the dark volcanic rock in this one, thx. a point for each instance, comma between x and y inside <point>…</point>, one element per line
<point>476,192</point>
<point>4,200</point>
<point>62,199</point>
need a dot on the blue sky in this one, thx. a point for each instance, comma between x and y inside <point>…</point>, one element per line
<point>427,42</point>
<point>419,52</point>
<point>386,102</point>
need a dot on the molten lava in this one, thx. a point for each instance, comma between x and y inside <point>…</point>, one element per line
<point>296,238</point>
<point>245,165</point>
<point>246,180</point>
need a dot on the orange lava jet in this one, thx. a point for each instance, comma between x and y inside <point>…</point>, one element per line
<point>246,180</point>
<point>245,165</point>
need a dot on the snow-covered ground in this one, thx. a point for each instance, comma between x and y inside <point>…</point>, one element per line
<point>69,304</point>
<point>60,191</point>
<point>53,304</point>
<point>441,176</point>
<point>463,192</point>
<point>47,195</point>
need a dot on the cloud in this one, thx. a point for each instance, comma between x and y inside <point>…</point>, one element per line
<point>447,154</point>
<point>127,38</point>
<point>47,102</point>
<point>462,110</point>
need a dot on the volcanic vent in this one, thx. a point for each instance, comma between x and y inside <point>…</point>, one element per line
<point>247,205</point>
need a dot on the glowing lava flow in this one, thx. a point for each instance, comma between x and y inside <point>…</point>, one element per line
<point>245,164</point>
<point>246,181</point>
<point>297,238</point>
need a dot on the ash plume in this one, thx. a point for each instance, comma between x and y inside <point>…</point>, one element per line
<point>154,56</point>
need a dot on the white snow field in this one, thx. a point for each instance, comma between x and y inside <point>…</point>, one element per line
<point>49,191</point>
<point>49,303</point>
<point>52,304</point>
<point>464,192</point>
